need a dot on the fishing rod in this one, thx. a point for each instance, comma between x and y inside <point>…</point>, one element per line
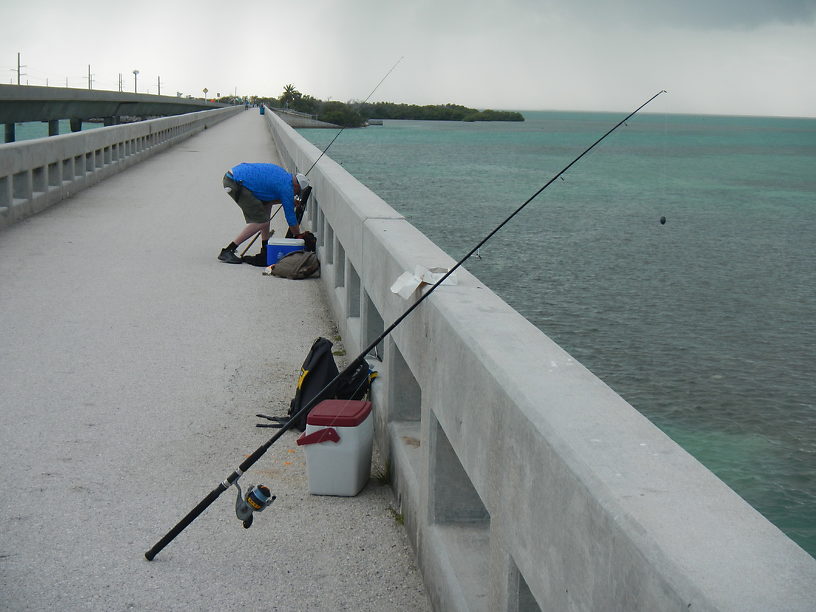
<point>344,127</point>
<point>258,233</point>
<point>254,238</point>
<point>259,452</point>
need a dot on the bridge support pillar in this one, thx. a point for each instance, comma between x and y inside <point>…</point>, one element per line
<point>10,137</point>
<point>53,127</point>
<point>76,124</point>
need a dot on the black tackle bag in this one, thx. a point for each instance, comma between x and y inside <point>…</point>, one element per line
<point>318,370</point>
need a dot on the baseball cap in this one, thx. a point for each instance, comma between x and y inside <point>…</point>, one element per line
<point>302,181</point>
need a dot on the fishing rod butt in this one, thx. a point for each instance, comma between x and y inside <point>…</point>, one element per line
<point>183,523</point>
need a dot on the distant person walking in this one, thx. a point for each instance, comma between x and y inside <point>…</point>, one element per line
<point>255,187</point>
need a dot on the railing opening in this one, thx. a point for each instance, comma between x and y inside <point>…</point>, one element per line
<point>340,266</point>
<point>373,326</point>
<point>353,290</point>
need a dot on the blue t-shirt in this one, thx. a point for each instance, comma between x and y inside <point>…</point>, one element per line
<point>268,183</point>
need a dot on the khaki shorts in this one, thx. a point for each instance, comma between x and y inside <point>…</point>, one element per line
<point>254,210</point>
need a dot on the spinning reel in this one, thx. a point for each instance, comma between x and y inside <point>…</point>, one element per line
<point>257,499</point>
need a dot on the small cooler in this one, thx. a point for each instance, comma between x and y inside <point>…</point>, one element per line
<point>338,440</point>
<point>278,247</point>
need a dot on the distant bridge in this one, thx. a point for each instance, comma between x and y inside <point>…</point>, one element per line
<point>21,103</point>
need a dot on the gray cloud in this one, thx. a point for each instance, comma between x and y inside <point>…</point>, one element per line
<point>714,56</point>
<point>699,14</point>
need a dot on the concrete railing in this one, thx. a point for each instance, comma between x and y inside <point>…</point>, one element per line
<point>36,174</point>
<point>300,120</point>
<point>525,482</point>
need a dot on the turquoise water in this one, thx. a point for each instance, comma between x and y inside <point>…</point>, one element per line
<point>39,129</point>
<point>706,324</point>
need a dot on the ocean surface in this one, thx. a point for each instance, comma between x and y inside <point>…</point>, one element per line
<point>39,129</point>
<point>706,324</point>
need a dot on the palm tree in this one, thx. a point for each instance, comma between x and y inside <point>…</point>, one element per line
<point>290,94</point>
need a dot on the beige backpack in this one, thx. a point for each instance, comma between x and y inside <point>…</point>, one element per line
<point>296,265</point>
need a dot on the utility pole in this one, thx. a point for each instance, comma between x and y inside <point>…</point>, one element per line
<point>120,81</point>
<point>159,85</point>
<point>135,76</point>
<point>90,78</point>
<point>19,69</point>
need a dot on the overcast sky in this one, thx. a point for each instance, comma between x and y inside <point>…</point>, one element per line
<point>747,57</point>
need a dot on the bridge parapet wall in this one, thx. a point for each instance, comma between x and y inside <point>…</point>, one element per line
<point>525,482</point>
<point>36,174</point>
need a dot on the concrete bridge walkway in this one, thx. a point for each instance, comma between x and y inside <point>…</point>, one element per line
<point>132,364</point>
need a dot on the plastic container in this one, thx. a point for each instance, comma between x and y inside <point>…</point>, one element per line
<point>278,247</point>
<point>338,440</point>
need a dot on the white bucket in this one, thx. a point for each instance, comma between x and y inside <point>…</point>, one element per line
<point>338,440</point>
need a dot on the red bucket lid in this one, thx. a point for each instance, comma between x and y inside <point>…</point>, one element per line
<point>339,413</point>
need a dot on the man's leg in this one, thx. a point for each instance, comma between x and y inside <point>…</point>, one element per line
<point>259,259</point>
<point>228,254</point>
<point>253,210</point>
<point>250,230</point>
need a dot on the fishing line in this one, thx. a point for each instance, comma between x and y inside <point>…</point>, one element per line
<point>343,128</point>
<point>327,148</point>
<point>250,461</point>
<point>664,166</point>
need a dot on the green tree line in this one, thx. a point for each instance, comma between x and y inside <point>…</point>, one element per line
<point>434,112</point>
<point>355,114</point>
